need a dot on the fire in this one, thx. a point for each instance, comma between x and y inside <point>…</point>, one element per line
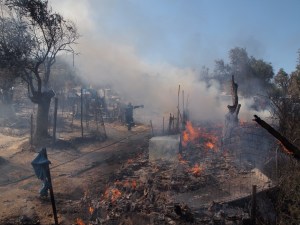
<point>79,221</point>
<point>209,145</point>
<point>91,210</point>
<point>113,194</point>
<point>190,134</point>
<point>126,183</point>
<point>201,135</point>
<point>284,148</point>
<point>196,170</point>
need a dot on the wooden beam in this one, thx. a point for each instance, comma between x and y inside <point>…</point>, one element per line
<point>292,149</point>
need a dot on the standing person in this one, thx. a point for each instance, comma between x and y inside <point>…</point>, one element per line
<point>129,114</point>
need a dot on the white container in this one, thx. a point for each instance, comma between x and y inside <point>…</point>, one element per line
<point>164,148</point>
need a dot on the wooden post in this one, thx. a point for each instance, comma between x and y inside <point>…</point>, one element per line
<point>31,129</point>
<point>182,101</point>
<point>253,207</point>
<point>51,193</point>
<point>163,125</point>
<point>81,112</point>
<point>151,127</point>
<point>177,125</point>
<point>183,112</point>
<point>55,120</point>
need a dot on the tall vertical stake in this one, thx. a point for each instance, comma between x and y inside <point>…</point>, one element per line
<point>31,129</point>
<point>163,125</point>
<point>183,111</point>
<point>51,194</point>
<point>151,127</point>
<point>253,208</point>
<point>177,125</point>
<point>182,101</point>
<point>55,120</point>
<point>81,112</point>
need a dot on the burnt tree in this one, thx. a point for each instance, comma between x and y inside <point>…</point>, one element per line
<point>234,109</point>
<point>290,148</point>
<point>50,34</point>
<point>231,118</point>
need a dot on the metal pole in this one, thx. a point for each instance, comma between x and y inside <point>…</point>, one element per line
<point>81,112</point>
<point>55,120</point>
<point>276,172</point>
<point>177,125</point>
<point>253,208</point>
<point>151,127</point>
<point>163,125</point>
<point>183,114</point>
<point>51,194</point>
<point>31,130</point>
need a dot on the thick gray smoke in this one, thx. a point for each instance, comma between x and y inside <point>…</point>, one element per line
<point>108,61</point>
<point>154,85</point>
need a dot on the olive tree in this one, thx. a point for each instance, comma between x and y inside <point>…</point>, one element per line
<point>49,34</point>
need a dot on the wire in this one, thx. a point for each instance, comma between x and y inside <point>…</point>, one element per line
<point>71,160</point>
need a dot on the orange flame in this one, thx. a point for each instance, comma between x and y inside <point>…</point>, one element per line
<point>190,134</point>
<point>196,170</point>
<point>91,210</point>
<point>112,194</point>
<point>126,183</point>
<point>284,148</point>
<point>209,145</point>
<point>115,194</point>
<point>79,221</point>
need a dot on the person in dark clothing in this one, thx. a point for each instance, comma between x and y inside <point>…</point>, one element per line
<point>129,114</point>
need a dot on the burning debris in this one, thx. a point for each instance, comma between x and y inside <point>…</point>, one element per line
<point>152,190</point>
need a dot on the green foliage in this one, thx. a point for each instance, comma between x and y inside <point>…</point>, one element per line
<point>294,85</point>
<point>15,45</point>
<point>50,34</point>
<point>253,75</point>
<point>282,81</point>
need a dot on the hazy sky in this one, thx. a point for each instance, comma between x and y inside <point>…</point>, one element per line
<point>192,33</point>
<point>146,48</point>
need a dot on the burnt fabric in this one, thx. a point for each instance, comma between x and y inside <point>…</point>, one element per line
<point>41,165</point>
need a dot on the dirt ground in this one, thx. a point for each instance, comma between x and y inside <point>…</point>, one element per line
<point>78,167</point>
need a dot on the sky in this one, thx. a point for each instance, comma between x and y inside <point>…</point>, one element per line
<point>192,33</point>
<point>145,49</point>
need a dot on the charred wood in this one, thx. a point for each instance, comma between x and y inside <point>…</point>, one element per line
<point>292,149</point>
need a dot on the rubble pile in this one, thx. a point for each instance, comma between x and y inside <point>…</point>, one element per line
<point>193,189</point>
<point>146,193</point>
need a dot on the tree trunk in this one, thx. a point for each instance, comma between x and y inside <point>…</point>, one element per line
<point>291,149</point>
<point>41,128</point>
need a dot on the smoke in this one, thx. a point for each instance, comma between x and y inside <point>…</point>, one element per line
<point>108,61</point>
<point>153,84</point>
<point>111,60</point>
